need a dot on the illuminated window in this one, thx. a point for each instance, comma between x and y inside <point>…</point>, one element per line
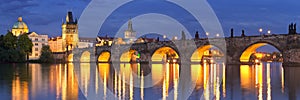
<point>36,49</point>
<point>36,54</point>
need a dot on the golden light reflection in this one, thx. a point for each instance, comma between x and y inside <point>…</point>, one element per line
<point>224,80</point>
<point>127,56</point>
<point>269,90</point>
<point>85,77</point>
<point>70,58</point>
<point>163,54</point>
<point>246,75</point>
<point>157,73</point>
<point>208,76</point>
<point>175,80</point>
<point>19,89</point>
<point>36,79</point>
<point>104,57</point>
<point>166,83</point>
<point>245,57</point>
<point>104,74</point>
<point>259,80</point>
<point>142,85</point>
<point>282,79</point>
<point>131,88</point>
<point>197,75</point>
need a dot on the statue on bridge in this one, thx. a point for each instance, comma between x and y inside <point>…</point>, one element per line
<point>293,28</point>
<point>197,35</point>
<point>243,33</point>
<point>232,35</point>
<point>183,37</point>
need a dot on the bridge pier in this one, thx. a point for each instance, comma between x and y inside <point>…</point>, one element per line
<point>291,57</point>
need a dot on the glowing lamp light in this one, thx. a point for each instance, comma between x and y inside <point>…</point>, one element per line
<point>207,33</point>
<point>256,61</point>
<point>260,30</point>
<point>174,60</point>
<point>269,31</point>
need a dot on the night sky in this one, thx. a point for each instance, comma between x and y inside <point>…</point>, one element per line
<point>46,16</point>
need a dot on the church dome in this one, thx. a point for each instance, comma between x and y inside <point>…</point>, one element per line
<point>20,24</point>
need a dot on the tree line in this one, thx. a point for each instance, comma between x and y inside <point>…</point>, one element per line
<point>17,49</point>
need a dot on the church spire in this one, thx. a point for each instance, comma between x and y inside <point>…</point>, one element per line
<point>130,25</point>
<point>69,17</point>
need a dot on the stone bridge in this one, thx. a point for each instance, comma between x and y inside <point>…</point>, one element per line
<point>235,49</point>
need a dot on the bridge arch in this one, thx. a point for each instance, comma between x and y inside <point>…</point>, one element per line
<point>250,49</point>
<point>164,54</point>
<point>201,51</point>
<point>104,56</point>
<point>129,55</point>
<point>85,57</point>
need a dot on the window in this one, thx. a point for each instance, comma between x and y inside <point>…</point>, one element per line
<point>43,39</point>
<point>36,49</point>
<point>36,39</point>
<point>36,44</point>
<point>36,54</point>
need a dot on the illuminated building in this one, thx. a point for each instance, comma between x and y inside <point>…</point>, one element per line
<point>56,44</point>
<point>19,28</point>
<point>70,32</point>
<point>130,34</point>
<point>103,41</point>
<point>86,42</point>
<point>38,42</point>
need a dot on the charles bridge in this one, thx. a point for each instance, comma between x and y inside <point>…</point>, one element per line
<point>235,49</point>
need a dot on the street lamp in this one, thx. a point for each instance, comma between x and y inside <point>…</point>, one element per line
<point>207,34</point>
<point>218,35</point>
<point>175,38</point>
<point>269,32</point>
<point>165,36</point>
<point>260,31</point>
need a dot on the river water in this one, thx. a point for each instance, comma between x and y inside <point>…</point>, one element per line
<point>81,81</point>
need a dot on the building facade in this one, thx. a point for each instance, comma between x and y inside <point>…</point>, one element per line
<point>86,42</point>
<point>130,34</point>
<point>19,28</point>
<point>70,32</point>
<point>38,42</point>
<point>56,45</point>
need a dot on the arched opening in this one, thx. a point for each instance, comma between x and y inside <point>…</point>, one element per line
<point>207,53</point>
<point>85,57</point>
<point>104,57</point>
<point>261,52</point>
<point>165,54</point>
<point>129,56</point>
<point>70,57</point>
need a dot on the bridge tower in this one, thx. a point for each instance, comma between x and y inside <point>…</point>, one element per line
<point>70,32</point>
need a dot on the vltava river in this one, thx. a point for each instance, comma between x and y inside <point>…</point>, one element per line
<point>149,82</point>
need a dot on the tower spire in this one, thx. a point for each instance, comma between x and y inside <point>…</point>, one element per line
<point>130,25</point>
<point>69,17</point>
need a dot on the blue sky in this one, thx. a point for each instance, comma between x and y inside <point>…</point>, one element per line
<point>45,16</point>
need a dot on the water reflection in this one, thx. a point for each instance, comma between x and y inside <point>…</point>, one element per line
<point>127,81</point>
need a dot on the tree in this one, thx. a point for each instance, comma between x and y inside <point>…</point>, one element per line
<point>10,41</point>
<point>25,44</point>
<point>46,56</point>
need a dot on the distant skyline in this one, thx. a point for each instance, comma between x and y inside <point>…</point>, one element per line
<point>46,16</point>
